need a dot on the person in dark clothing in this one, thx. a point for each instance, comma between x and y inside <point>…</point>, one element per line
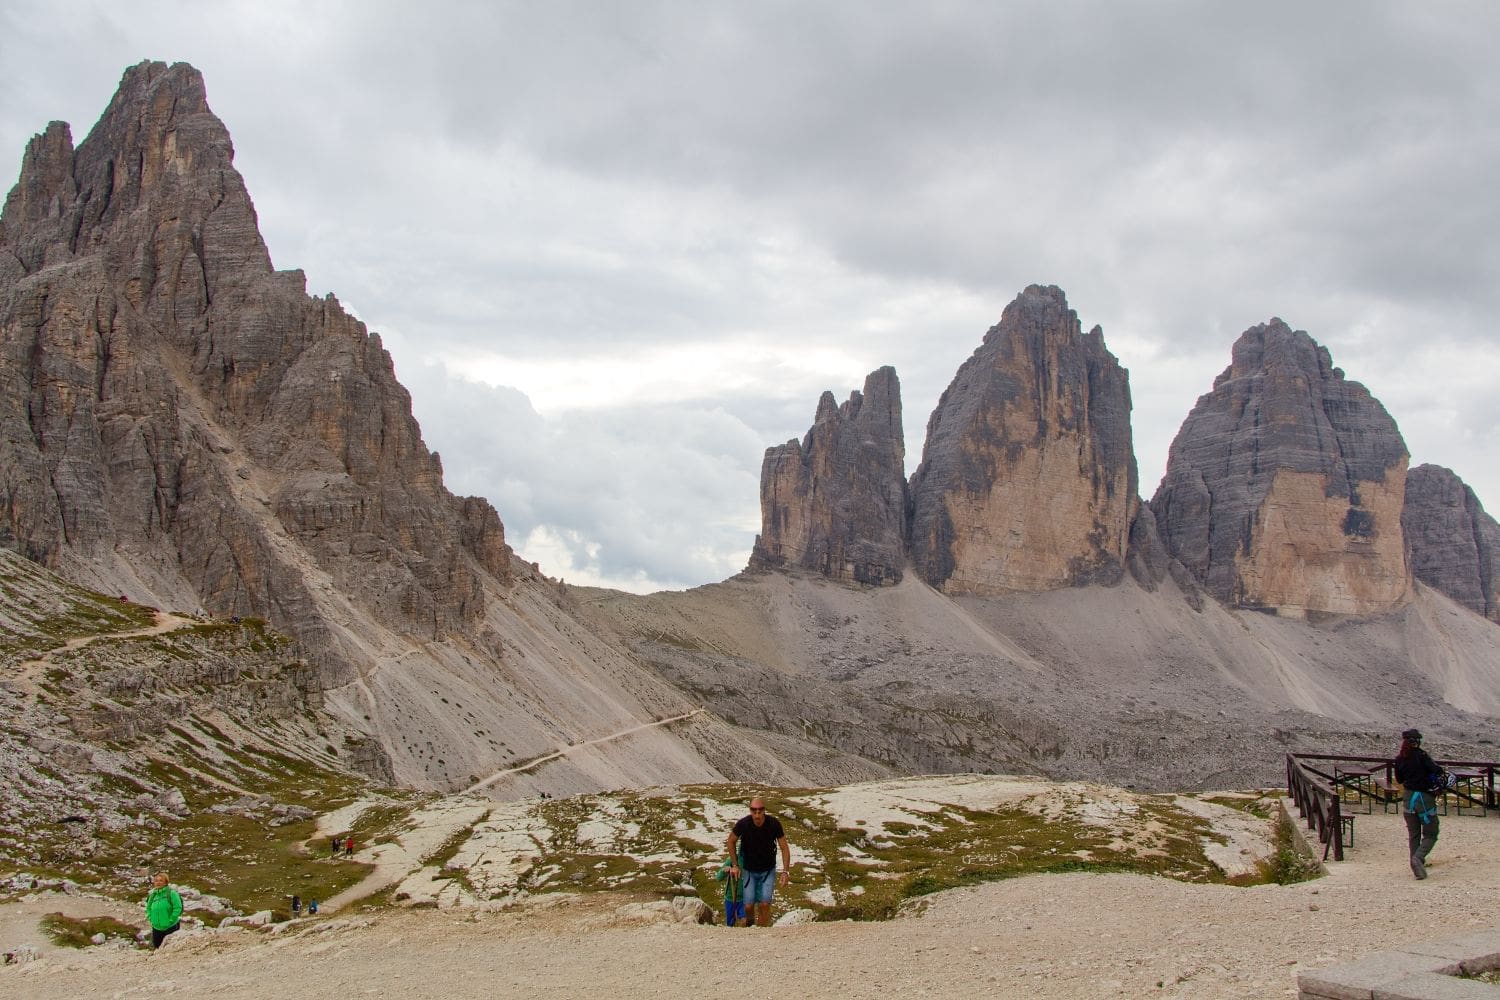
<point>1420,779</point>
<point>757,837</point>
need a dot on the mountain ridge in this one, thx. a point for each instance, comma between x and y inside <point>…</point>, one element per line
<point>182,424</point>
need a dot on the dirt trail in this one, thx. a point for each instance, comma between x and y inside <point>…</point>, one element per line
<point>483,782</point>
<point>165,622</point>
<point>1051,936</point>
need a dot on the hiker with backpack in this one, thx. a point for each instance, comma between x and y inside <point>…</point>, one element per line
<point>1421,779</point>
<point>759,836</point>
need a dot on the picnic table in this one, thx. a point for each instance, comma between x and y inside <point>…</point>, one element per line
<point>1474,788</point>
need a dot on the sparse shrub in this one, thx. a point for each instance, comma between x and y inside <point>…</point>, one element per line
<point>74,932</point>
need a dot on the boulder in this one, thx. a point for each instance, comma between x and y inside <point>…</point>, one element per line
<point>792,918</point>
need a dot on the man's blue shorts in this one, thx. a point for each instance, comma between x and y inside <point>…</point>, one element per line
<point>758,886</point>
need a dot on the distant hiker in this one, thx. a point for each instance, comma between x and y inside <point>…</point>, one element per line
<point>349,848</point>
<point>312,908</point>
<point>336,843</point>
<point>758,836</point>
<point>163,909</point>
<point>296,906</point>
<point>1420,779</point>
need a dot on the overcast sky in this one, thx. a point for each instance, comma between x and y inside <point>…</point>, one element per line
<point>617,249</point>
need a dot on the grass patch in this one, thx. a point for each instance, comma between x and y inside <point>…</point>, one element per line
<point>75,932</point>
<point>1288,865</point>
<point>668,845</point>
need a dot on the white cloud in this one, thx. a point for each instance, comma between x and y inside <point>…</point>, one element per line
<point>668,228</point>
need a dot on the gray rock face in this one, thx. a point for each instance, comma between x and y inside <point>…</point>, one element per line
<point>173,411</point>
<point>1146,557</point>
<point>1028,477</point>
<point>1284,486</point>
<point>1455,545</point>
<point>836,502</point>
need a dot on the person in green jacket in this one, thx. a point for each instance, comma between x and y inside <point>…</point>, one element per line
<point>163,909</point>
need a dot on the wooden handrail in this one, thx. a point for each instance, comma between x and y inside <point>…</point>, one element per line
<point>1317,797</point>
<point>1319,804</point>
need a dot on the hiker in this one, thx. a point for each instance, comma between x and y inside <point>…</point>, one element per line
<point>336,843</point>
<point>759,836</point>
<point>349,847</point>
<point>1420,780</point>
<point>163,909</point>
<point>734,896</point>
<point>312,908</point>
<point>296,906</point>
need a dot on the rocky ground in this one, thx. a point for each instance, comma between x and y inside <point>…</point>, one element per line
<point>1075,935</point>
<point>1162,689</point>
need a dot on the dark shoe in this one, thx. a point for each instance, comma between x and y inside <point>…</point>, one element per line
<point>1418,868</point>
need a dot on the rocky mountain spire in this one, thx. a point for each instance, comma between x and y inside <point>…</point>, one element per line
<point>1028,475</point>
<point>1454,544</point>
<point>174,412</point>
<point>836,502</point>
<point>1285,484</point>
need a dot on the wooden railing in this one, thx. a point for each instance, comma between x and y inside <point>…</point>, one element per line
<point>1317,791</point>
<point>1318,802</point>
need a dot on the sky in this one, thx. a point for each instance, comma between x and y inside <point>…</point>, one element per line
<point>618,249</point>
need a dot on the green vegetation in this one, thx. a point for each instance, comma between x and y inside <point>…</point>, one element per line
<point>1288,865</point>
<point>665,845</point>
<point>73,932</point>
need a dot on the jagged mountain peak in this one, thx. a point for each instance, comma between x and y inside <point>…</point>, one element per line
<point>1284,485</point>
<point>1028,474</point>
<point>835,502</point>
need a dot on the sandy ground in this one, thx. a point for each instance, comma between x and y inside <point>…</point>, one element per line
<point>1077,936</point>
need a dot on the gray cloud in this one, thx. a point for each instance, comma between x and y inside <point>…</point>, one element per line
<point>808,191</point>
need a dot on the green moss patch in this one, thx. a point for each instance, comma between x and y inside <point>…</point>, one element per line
<point>78,932</point>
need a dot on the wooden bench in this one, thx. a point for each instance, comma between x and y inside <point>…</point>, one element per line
<point>1388,792</point>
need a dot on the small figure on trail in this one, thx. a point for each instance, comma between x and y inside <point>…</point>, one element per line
<point>1421,779</point>
<point>312,908</point>
<point>734,895</point>
<point>296,906</point>
<point>758,836</point>
<point>336,843</point>
<point>163,909</point>
<point>349,847</point>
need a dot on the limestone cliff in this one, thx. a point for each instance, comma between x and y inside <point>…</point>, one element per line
<point>1285,484</point>
<point>1454,544</point>
<point>1028,477</point>
<point>172,409</point>
<point>835,503</point>
<point>182,424</point>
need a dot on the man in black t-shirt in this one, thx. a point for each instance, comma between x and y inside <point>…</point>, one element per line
<point>757,837</point>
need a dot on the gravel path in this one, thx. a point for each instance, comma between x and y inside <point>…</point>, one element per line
<point>1075,936</point>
